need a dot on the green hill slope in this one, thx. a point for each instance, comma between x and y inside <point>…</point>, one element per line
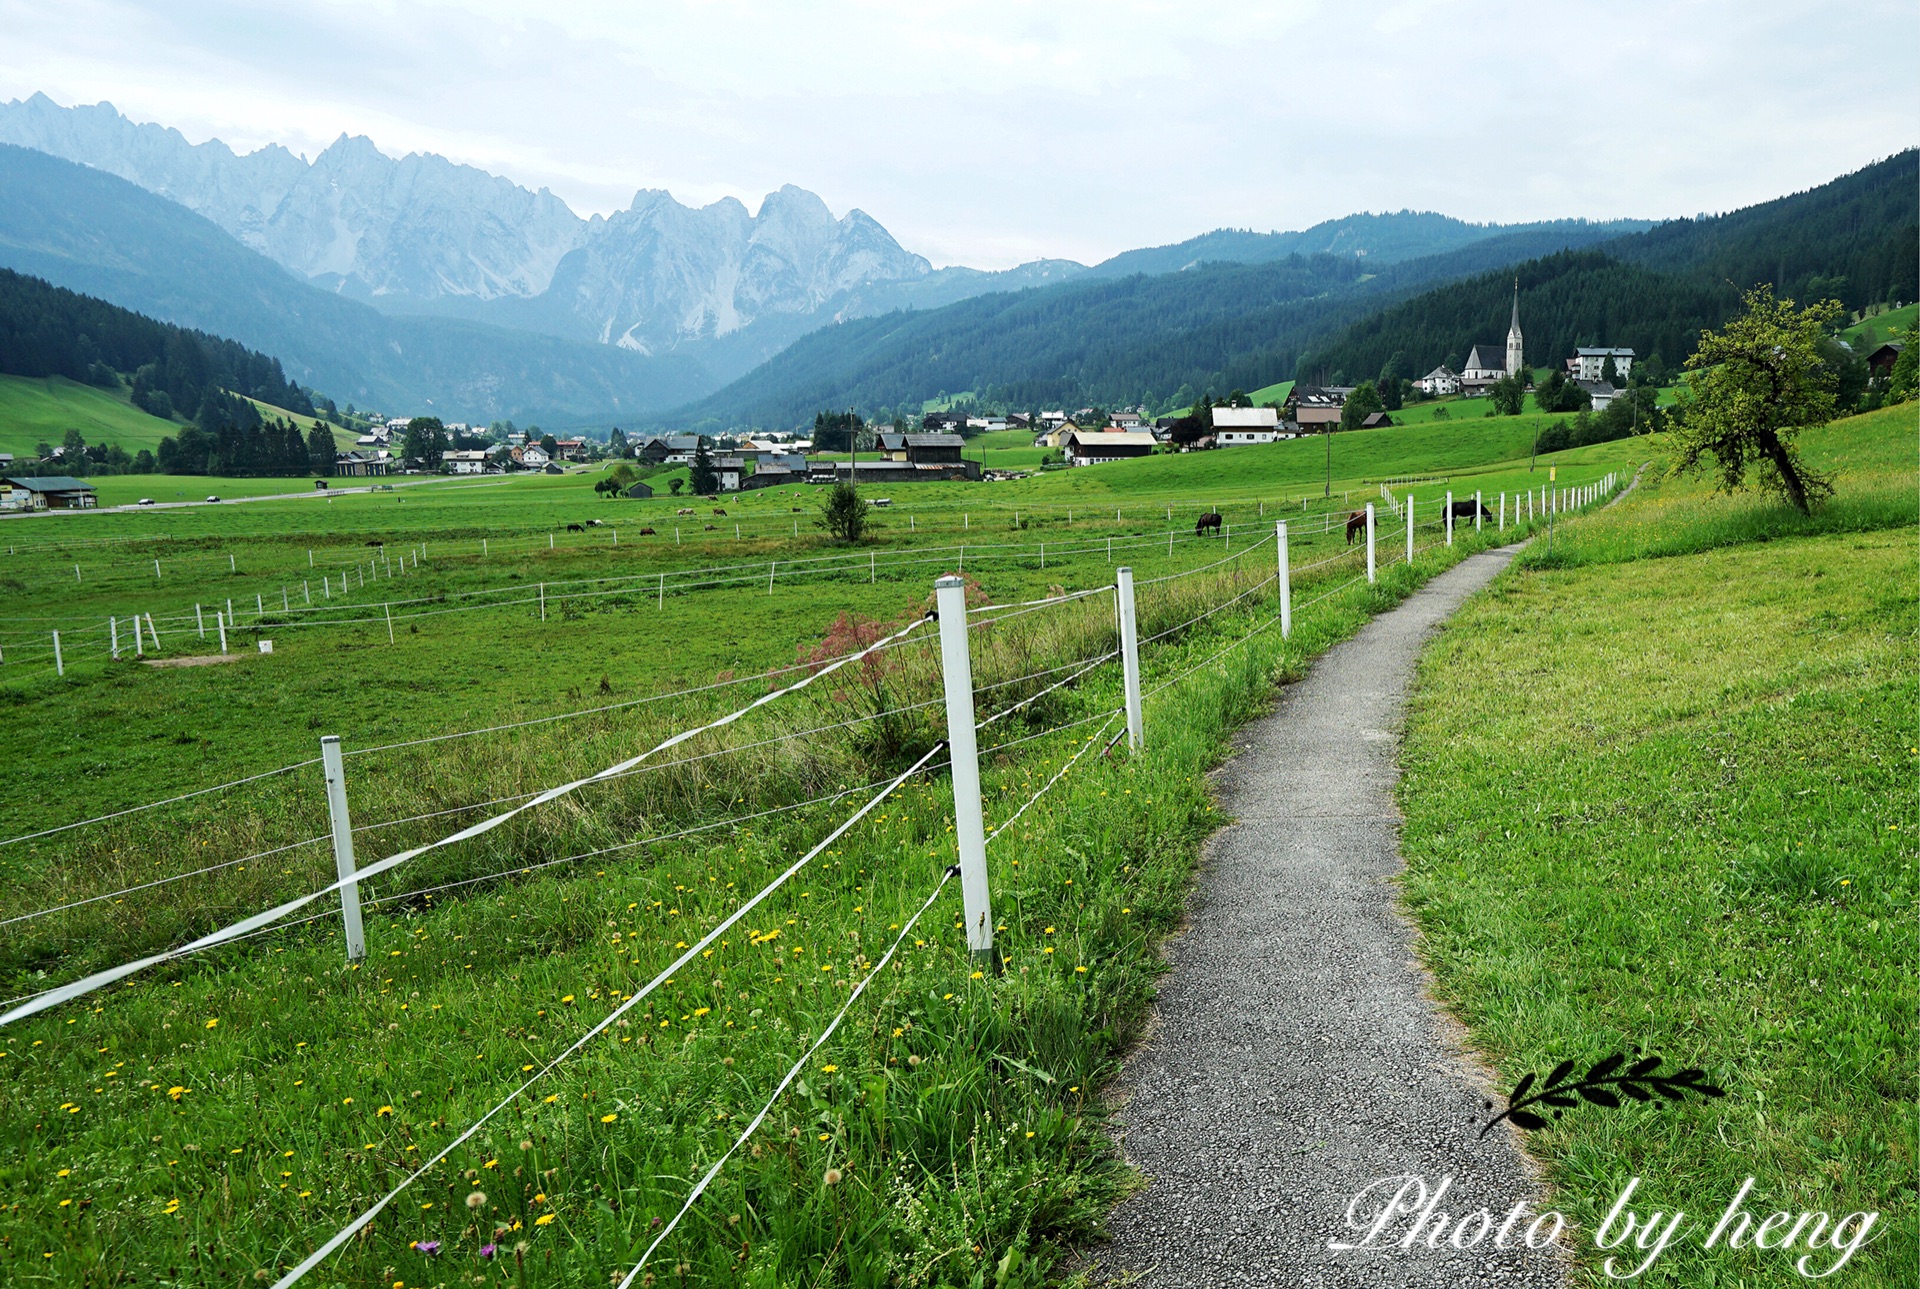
<point>42,409</point>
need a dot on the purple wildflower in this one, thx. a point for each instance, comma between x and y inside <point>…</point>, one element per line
<point>429,1247</point>
<point>488,1250</point>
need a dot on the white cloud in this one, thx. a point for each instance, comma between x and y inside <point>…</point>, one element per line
<point>991,132</point>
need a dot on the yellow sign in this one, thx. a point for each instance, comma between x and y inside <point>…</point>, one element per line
<point>1553,472</point>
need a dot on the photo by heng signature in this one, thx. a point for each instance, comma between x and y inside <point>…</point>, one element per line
<point>1402,1211</point>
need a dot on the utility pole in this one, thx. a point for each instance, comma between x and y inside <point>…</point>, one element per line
<point>1327,434</point>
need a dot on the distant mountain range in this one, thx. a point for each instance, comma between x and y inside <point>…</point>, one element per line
<point>718,288</point>
<point>1214,327</point>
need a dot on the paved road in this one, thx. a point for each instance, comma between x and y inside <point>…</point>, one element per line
<point>1295,1058</point>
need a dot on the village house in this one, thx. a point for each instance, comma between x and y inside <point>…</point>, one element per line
<point>1880,362</point>
<point>532,457</point>
<point>669,449</point>
<point>1239,426</point>
<point>1438,383</point>
<point>1588,364</point>
<point>358,464</point>
<point>1055,436</point>
<point>571,449</point>
<point>1314,408</point>
<point>465,461</point>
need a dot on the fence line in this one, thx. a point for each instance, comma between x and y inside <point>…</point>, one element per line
<point>154,805</point>
<point>347,1232</point>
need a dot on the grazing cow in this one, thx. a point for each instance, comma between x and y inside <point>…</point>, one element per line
<point>575,528</point>
<point>1466,509</point>
<point>711,527</point>
<point>684,510</point>
<point>720,512</point>
<point>376,543</point>
<point>648,532</point>
<point>595,523</point>
<point>1356,524</point>
<point>1209,522</point>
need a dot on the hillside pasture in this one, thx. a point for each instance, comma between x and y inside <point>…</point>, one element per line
<point>42,409</point>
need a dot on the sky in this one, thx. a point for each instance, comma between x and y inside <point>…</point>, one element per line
<point>997,132</point>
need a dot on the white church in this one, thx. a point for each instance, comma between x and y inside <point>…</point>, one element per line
<point>1485,363</point>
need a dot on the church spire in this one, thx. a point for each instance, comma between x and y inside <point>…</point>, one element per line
<point>1516,359</point>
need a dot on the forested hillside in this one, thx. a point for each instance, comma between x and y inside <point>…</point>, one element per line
<point>1853,240</point>
<point>1162,338</point>
<point>48,331</point>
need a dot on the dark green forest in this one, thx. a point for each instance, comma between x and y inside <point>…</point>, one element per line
<point>1853,240</point>
<point>46,330</point>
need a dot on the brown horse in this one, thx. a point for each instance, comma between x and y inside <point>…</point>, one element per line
<point>1209,522</point>
<point>1356,523</point>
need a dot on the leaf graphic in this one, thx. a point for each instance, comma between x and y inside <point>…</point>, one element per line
<point>1560,1071</point>
<point>1645,1066</point>
<point>1528,1120</point>
<point>1599,1095</point>
<point>1671,1091</point>
<point>1606,1067</point>
<point>1635,1091</point>
<point>1520,1089</point>
<point>1560,1098</point>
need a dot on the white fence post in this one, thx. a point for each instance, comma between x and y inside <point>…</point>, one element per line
<point>388,606</point>
<point>950,597</point>
<point>1371,576</point>
<point>153,633</point>
<point>139,649</point>
<point>1130,658</point>
<point>1409,530</point>
<point>1478,510</point>
<point>113,634</point>
<point>543,601</point>
<point>343,845</point>
<point>1503,511</point>
<point>220,621</point>
<point>1449,516</point>
<point>199,622</point>
<point>59,664</point>
<point>1286,579</point>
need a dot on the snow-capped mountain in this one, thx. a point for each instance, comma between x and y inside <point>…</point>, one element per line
<point>422,234</point>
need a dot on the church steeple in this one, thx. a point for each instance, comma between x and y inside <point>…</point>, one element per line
<point>1516,360</point>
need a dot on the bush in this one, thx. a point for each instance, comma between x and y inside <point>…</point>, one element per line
<point>845,515</point>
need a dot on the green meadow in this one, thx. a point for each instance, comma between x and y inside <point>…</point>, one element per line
<point>220,1116</point>
<point>1659,797</point>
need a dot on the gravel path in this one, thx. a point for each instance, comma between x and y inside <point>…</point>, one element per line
<point>1295,1058</point>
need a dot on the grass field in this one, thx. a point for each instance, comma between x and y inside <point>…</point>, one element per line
<point>41,410</point>
<point>1870,333</point>
<point>220,1117</point>
<point>1659,794</point>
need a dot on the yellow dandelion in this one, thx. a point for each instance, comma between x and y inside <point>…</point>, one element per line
<point>543,1219</point>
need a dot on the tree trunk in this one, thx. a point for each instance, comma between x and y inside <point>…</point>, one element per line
<point>1789,476</point>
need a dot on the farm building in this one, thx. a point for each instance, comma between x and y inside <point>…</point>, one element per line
<point>875,472</point>
<point>922,449</point>
<point>1438,382</point>
<point>49,492</point>
<point>639,492</point>
<point>1239,426</point>
<point>357,464</point>
<point>1092,447</point>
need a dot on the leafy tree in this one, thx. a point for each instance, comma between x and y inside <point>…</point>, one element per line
<point>1556,393</point>
<point>1906,368</point>
<point>1508,396</point>
<point>844,515</point>
<point>425,441</point>
<point>1442,414</point>
<point>1751,388</point>
<point>320,453</point>
<point>1609,372</point>
<point>1362,403</point>
<point>143,462</point>
<point>549,445</point>
<point>618,479</point>
<point>677,484</point>
<point>705,479</point>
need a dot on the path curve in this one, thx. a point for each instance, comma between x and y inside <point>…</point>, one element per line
<point>1295,1057</point>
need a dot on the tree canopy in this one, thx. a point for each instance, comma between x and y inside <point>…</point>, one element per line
<point>1751,388</point>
